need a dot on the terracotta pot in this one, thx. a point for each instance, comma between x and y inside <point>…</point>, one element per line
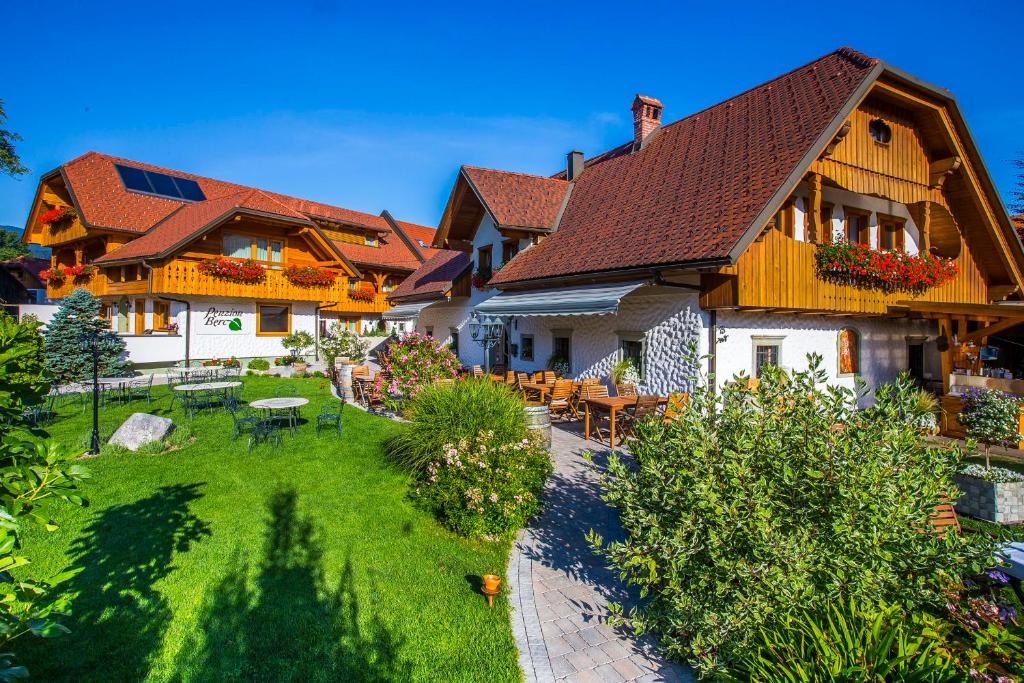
<point>491,583</point>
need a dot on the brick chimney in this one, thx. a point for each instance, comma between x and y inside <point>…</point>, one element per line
<point>646,118</point>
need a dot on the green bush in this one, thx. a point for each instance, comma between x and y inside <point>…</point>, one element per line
<point>756,503</point>
<point>446,414</point>
<point>340,342</point>
<point>484,487</point>
<point>259,364</point>
<point>991,417</point>
<point>849,643</point>
<point>298,343</point>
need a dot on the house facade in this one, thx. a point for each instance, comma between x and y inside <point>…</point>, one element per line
<point>188,266</point>
<point>715,230</point>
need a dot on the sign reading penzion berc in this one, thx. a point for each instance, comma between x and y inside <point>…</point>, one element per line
<point>223,320</point>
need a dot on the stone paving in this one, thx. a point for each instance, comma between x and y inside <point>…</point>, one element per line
<point>560,590</point>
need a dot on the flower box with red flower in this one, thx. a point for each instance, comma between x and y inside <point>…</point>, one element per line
<point>310,276</point>
<point>58,216</point>
<point>361,295</point>
<point>858,265</point>
<point>246,272</point>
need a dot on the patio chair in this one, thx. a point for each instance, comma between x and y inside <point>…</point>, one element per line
<point>328,417</point>
<point>625,390</point>
<point>141,388</point>
<point>199,401</point>
<point>560,402</point>
<point>510,377</point>
<point>478,372</point>
<point>597,415</point>
<point>549,377</point>
<point>243,418</point>
<point>538,377</point>
<point>266,431</point>
<point>645,407</point>
<point>674,408</point>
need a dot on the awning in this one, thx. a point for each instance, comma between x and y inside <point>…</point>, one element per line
<point>408,311</point>
<point>600,299</point>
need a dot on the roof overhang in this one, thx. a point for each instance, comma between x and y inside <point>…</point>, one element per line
<point>599,299</point>
<point>410,310</point>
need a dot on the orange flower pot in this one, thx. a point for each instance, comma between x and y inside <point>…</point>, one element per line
<point>491,583</point>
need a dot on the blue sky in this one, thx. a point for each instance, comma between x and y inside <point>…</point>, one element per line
<point>373,106</point>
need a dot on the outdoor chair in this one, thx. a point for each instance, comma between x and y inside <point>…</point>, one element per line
<point>478,372</point>
<point>510,377</point>
<point>549,377</point>
<point>625,390</point>
<point>597,415</point>
<point>198,401</point>
<point>266,431</point>
<point>329,417</point>
<point>560,402</point>
<point>644,408</point>
<point>674,408</point>
<point>538,377</point>
<point>243,418</point>
<point>141,388</point>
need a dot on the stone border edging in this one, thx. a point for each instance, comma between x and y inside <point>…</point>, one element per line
<point>533,651</point>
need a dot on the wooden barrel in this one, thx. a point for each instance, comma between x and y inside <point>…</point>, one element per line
<point>345,381</point>
<point>538,422</point>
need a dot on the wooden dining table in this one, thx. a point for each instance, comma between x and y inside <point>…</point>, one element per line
<point>542,388</point>
<point>612,405</point>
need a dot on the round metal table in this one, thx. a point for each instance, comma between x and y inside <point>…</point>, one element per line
<point>207,386</point>
<point>287,403</point>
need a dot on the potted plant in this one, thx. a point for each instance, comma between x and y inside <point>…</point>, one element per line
<point>923,413</point>
<point>298,344</point>
<point>560,365</point>
<point>992,493</point>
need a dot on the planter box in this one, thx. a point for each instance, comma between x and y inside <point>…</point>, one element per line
<point>995,502</point>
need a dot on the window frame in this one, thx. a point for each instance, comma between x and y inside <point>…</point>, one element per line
<point>453,332</point>
<point>826,216</point>
<point>509,249</point>
<point>633,337</point>
<point>489,250</point>
<point>522,347</point>
<point>863,230</point>
<point>899,232</point>
<point>259,319</point>
<point>764,340</point>
<point>563,333</point>
<point>253,246</point>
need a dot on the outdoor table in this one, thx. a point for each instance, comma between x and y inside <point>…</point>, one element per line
<point>283,403</point>
<point>110,382</point>
<point>612,404</point>
<point>187,389</point>
<point>541,388</point>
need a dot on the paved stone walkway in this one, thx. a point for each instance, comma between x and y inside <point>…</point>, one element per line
<point>560,590</point>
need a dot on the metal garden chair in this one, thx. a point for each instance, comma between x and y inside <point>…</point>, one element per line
<point>329,417</point>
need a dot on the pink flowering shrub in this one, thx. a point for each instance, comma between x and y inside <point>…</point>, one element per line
<point>411,363</point>
<point>483,487</point>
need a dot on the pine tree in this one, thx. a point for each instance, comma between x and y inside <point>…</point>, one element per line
<point>65,358</point>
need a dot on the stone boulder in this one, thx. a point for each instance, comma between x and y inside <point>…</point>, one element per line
<point>140,429</point>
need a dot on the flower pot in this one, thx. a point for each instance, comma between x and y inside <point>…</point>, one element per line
<point>491,583</point>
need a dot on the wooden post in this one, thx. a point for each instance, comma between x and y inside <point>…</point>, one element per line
<point>813,208</point>
<point>925,228</point>
<point>946,357</point>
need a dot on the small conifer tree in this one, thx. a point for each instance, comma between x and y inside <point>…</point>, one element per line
<point>65,358</point>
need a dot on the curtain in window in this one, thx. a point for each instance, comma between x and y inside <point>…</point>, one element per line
<point>237,246</point>
<point>275,252</point>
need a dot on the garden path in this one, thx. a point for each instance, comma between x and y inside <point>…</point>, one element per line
<point>559,590</point>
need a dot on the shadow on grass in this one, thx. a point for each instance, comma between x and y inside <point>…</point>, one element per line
<point>119,617</point>
<point>288,625</point>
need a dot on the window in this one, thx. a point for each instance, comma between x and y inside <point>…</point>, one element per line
<point>350,324</point>
<point>273,319</point>
<point>561,346</point>
<point>454,346</point>
<point>430,330</point>
<point>509,248</point>
<point>880,131</point>
<point>370,241</point>
<point>767,351</point>
<point>849,351</point>
<point>632,348</point>
<point>785,219</point>
<point>526,347</point>
<point>858,226</point>
<point>353,283</point>
<point>390,283</point>
<point>483,260</point>
<point>890,233</point>
<point>256,248</point>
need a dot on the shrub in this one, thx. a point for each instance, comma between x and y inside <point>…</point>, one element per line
<point>34,473</point>
<point>298,343</point>
<point>991,417</point>
<point>260,364</point>
<point>79,313</point>
<point>447,414</point>
<point>560,365</point>
<point>483,486</point>
<point>754,503</point>
<point>864,643</point>
<point>623,372</point>
<point>412,362</point>
<point>339,342</point>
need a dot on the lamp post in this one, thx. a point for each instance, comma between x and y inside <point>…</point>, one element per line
<point>486,332</point>
<point>91,343</point>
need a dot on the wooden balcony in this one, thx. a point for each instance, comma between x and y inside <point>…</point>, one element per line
<point>778,273</point>
<point>184,278</point>
<point>97,284</point>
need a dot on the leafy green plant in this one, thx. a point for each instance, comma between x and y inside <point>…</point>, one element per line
<point>484,486</point>
<point>412,363</point>
<point>66,360</point>
<point>758,502</point>
<point>991,417</point>
<point>446,414</point>
<point>259,364</point>
<point>34,473</point>
<point>844,642</point>
<point>340,343</point>
<point>298,343</point>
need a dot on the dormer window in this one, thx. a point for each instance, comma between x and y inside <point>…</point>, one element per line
<point>370,241</point>
<point>880,131</point>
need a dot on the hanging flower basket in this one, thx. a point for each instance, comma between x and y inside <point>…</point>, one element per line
<point>58,216</point>
<point>361,295</point>
<point>858,265</point>
<point>310,276</point>
<point>58,275</point>
<point>246,272</point>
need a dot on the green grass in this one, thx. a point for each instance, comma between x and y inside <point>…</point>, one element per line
<point>300,563</point>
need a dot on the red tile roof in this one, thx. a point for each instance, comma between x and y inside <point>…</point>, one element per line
<point>518,199</point>
<point>103,202</point>
<point>392,253</point>
<point>33,265</point>
<point>420,233</point>
<point>436,276</point>
<point>700,183</point>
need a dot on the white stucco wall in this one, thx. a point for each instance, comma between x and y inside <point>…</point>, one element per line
<point>883,352</point>
<point>243,344</point>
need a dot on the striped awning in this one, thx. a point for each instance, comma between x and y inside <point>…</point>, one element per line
<point>408,311</point>
<point>602,299</point>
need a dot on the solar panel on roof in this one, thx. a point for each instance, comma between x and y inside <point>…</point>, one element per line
<point>161,184</point>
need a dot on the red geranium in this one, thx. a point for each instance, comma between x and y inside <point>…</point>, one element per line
<point>361,295</point>
<point>246,272</point>
<point>57,215</point>
<point>893,270</point>
<point>58,274</point>
<point>310,276</point>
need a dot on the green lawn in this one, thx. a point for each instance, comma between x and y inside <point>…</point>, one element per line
<point>300,563</point>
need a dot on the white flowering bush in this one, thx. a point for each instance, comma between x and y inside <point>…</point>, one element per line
<point>483,487</point>
<point>999,475</point>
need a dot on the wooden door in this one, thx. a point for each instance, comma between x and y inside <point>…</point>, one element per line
<point>140,315</point>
